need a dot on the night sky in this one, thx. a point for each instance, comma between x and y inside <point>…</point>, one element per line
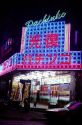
<point>13,15</point>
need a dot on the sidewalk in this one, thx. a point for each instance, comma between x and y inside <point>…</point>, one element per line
<point>15,117</point>
<point>39,106</point>
<point>18,115</point>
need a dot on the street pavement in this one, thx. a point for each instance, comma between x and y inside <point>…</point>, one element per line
<point>40,106</point>
<point>22,123</point>
<point>21,117</point>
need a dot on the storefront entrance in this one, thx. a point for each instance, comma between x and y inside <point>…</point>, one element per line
<point>53,86</point>
<point>21,93</point>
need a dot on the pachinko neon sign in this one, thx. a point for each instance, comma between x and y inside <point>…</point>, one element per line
<point>45,45</point>
<point>46,18</point>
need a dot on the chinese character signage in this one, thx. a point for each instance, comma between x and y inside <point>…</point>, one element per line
<point>46,46</point>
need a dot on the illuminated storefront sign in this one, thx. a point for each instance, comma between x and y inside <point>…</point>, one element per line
<point>45,46</point>
<point>64,61</point>
<point>23,39</point>
<point>46,19</point>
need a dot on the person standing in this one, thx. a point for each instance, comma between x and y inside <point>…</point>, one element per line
<point>36,98</point>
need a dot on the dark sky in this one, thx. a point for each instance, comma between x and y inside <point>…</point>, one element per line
<point>14,14</point>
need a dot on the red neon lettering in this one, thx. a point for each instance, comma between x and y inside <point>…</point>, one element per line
<point>51,40</point>
<point>53,58</point>
<point>35,41</point>
<point>68,58</point>
<point>24,60</point>
<point>39,58</point>
<point>10,62</point>
<point>27,57</point>
<point>5,65</point>
<point>30,59</point>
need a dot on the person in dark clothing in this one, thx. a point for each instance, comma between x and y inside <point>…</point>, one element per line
<point>36,99</point>
<point>34,103</point>
<point>26,104</point>
<point>38,96</point>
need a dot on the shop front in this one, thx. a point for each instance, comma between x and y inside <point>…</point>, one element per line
<point>51,85</point>
<point>45,62</point>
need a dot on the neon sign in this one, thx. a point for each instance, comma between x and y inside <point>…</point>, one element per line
<point>46,19</point>
<point>23,39</point>
<point>45,46</point>
<point>50,59</point>
<point>51,40</point>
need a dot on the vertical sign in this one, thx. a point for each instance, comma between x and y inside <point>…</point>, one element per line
<point>67,37</point>
<point>23,40</point>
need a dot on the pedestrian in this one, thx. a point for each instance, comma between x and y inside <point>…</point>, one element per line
<point>26,104</point>
<point>34,101</point>
<point>36,98</point>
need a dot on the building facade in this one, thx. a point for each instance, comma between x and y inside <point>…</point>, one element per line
<point>45,59</point>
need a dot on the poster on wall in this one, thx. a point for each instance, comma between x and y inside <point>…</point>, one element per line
<point>16,94</point>
<point>26,91</point>
<point>54,90</point>
<point>44,89</point>
<point>20,91</point>
<point>60,90</point>
<point>64,89</point>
